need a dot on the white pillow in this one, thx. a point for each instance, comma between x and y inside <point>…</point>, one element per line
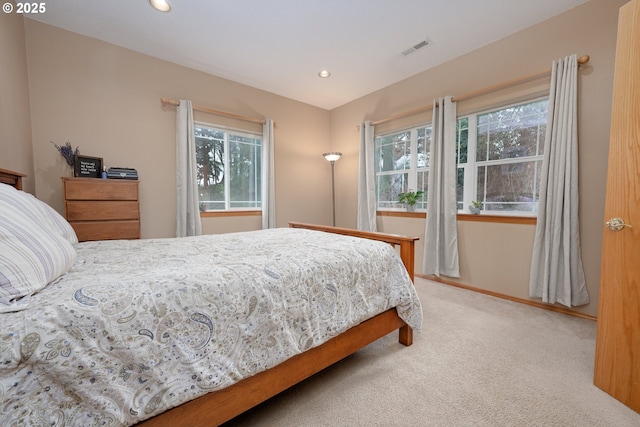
<point>56,221</point>
<point>32,255</point>
<point>38,211</point>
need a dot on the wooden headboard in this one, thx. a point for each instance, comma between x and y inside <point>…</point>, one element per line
<point>11,178</point>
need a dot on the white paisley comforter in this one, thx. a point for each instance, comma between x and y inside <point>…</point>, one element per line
<point>137,327</point>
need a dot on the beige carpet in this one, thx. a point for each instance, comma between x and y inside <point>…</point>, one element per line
<point>479,361</point>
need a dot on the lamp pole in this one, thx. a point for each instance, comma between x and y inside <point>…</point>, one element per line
<point>332,157</point>
<point>333,192</point>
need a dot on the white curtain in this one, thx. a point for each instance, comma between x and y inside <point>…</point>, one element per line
<point>268,182</point>
<point>441,234</point>
<point>188,204</point>
<point>556,264</point>
<point>366,180</point>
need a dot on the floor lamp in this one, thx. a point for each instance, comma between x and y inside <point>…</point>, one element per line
<point>332,157</point>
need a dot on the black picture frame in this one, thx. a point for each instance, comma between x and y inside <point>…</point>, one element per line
<point>87,166</point>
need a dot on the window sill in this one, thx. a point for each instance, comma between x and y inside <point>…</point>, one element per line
<point>217,214</point>
<point>405,214</point>
<point>504,219</point>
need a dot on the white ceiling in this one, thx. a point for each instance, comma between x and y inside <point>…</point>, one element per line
<point>280,46</point>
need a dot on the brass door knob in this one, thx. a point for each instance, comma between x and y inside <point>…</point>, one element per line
<point>616,224</point>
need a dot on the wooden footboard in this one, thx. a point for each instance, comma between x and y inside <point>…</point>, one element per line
<point>405,244</point>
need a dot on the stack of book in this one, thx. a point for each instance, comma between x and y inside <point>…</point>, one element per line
<point>122,173</point>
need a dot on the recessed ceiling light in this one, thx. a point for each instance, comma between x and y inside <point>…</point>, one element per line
<point>161,5</point>
<point>324,74</point>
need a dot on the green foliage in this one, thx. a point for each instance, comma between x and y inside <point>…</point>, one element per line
<point>410,198</point>
<point>227,161</point>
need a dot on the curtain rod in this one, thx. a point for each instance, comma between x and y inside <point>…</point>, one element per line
<point>212,111</point>
<point>582,60</point>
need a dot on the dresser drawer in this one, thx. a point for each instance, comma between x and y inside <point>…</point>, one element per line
<point>100,189</point>
<point>97,230</point>
<point>102,209</point>
<point>79,210</point>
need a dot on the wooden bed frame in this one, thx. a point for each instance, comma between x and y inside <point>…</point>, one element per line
<point>220,406</point>
<point>11,178</point>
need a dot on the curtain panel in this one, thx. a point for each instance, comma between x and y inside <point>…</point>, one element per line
<point>556,265</point>
<point>367,204</point>
<point>441,231</point>
<point>268,181</point>
<point>187,203</point>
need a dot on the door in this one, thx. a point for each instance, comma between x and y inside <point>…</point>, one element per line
<point>617,361</point>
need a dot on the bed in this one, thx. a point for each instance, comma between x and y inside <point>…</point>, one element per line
<point>184,332</point>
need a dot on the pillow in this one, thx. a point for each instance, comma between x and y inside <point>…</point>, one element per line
<point>56,221</point>
<point>38,211</point>
<point>32,255</point>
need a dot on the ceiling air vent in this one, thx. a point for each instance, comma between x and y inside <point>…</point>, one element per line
<point>415,47</point>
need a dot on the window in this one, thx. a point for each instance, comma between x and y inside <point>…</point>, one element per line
<point>397,170</point>
<point>229,169</point>
<point>499,156</point>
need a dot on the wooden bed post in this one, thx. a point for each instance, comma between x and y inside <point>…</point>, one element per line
<point>407,251</point>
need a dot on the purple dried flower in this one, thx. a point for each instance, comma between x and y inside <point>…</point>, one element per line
<point>67,152</point>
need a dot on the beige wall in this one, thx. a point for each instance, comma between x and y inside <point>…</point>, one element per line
<point>497,257</point>
<point>15,121</point>
<point>106,100</point>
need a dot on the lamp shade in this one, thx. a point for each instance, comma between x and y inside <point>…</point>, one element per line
<point>332,156</point>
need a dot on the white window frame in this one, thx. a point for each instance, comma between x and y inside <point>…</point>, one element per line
<point>227,184</point>
<point>412,171</point>
<point>470,167</point>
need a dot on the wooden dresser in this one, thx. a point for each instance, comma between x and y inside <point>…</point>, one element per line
<point>102,209</point>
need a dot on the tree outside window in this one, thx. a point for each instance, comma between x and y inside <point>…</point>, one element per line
<point>499,159</point>
<point>402,165</point>
<point>229,168</point>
